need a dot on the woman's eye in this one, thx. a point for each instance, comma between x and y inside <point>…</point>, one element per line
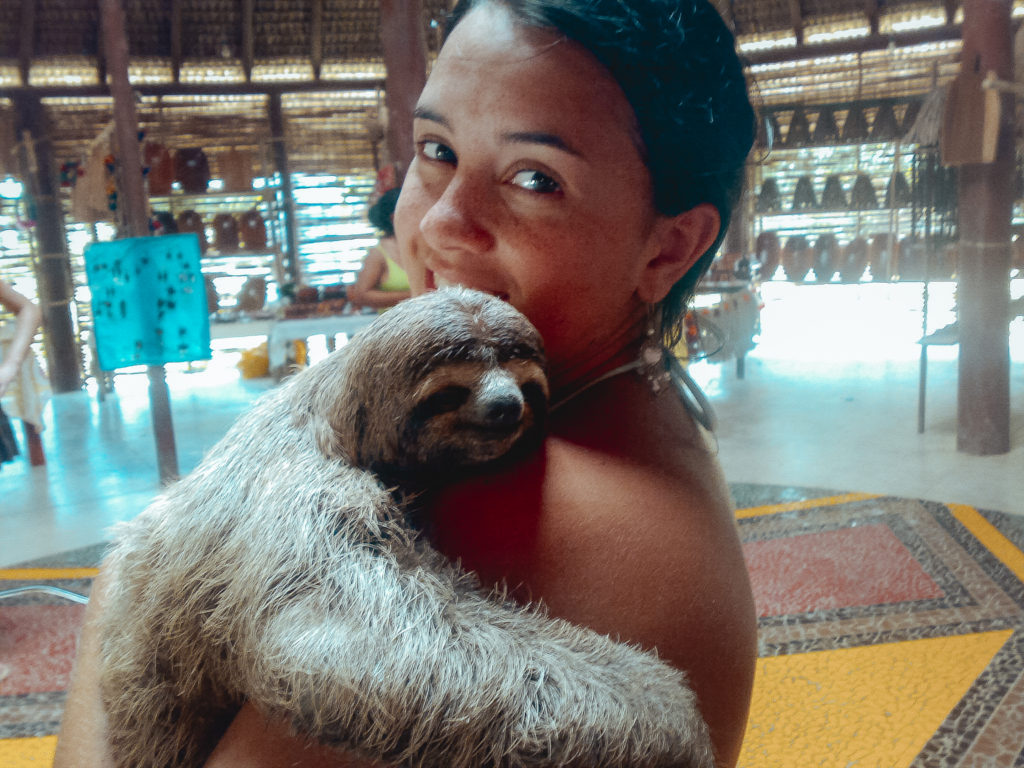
<point>535,181</point>
<point>435,150</point>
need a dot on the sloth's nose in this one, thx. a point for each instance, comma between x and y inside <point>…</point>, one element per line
<point>504,411</point>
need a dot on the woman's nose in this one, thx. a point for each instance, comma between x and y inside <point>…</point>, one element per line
<point>457,219</point>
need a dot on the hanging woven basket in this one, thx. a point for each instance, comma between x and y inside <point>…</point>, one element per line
<point>825,257</point>
<point>767,251</point>
<point>855,260</point>
<point>796,259</point>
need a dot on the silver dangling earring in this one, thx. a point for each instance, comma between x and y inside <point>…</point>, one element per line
<point>661,367</point>
<point>652,354</point>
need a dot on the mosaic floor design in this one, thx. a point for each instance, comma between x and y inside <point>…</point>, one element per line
<point>891,635</point>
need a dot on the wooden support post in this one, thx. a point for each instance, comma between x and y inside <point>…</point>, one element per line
<point>134,207</point>
<point>53,267</point>
<point>405,59</point>
<point>290,261</point>
<point>986,206</point>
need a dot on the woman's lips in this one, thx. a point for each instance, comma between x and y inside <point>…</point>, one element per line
<point>433,282</point>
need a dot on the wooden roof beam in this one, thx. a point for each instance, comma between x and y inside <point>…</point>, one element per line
<point>27,31</point>
<point>855,45</point>
<point>248,37</point>
<point>796,20</point>
<point>316,36</point>
<point>200,89</point>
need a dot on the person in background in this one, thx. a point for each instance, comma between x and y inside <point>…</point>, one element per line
<point>382,282</point>
<point>26,321</point>
<point>579,159</point>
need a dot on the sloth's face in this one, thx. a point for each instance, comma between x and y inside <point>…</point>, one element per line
<point>471,413</point>
<point>439,384</point>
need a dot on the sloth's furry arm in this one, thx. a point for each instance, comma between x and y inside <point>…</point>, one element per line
<point>315,602</point>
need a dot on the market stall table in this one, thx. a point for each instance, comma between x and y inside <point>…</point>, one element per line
<point>283,332</point>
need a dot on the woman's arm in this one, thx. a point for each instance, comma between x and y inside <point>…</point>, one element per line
<point>83,730</point>
<point>364,292</point>
<point>27,318</point>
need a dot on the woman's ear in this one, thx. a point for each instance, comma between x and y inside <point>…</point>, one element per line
<point>679,241</point>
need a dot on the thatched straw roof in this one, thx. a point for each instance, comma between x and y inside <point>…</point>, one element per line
<point>204,67</point>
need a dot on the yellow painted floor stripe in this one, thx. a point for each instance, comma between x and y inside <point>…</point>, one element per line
<point>47,574</point>
<point>28,753</point>
<point>873,706</point>
<point>989,535</point>
<point>792,506</point>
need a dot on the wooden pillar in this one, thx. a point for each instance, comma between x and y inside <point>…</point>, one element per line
<point>290,261</point>
<point>135,210</point>
<point>405,59</point>
<point>53,267</point>
<point>986,206</point>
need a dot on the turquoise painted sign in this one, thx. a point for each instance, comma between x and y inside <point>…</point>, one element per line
<point>148,301</point>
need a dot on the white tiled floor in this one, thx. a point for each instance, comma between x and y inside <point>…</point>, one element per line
<point>829,401</point>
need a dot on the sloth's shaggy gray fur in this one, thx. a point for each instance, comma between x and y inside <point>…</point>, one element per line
<point>283,572</point>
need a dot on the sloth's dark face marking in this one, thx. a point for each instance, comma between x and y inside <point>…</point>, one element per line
<point>473,386</point>
<point>471,413</point>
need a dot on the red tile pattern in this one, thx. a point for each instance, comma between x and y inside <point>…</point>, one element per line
<point>37,646</point>
<point>844,568</point>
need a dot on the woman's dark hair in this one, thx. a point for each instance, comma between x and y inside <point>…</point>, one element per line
<point>382,212</point>
<point>676,63</point>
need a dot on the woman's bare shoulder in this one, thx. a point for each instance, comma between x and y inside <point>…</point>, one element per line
<point>645,547</point>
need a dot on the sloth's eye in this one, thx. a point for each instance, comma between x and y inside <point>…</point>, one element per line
<point>445,400</point>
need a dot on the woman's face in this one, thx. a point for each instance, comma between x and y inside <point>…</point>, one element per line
<point>527,183</point>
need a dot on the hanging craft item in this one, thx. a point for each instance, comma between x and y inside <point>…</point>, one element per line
<point>825,257</point>
<point>833,198</point>
<point>897,193</point>
<point>862,195</point>
<point>163,223</point>
<point>190,221</point>
<point>253,296</point>
<point>826,131</point>
<point>796,259</point>
<point>768,199</point>
<point>880,260</point>
<point>235,167</point>
<point>90,196</point>
<point>910,115</point>
<point>252,230</point>
<point>767,252</point>
<point>970,121</point>
<point>160,168</point>
<point>855,128</point>
<point>884,128</point>
<point>803,195</point>
<point>769,132</point>
<point>225,233</point>
<point>799,133</point>
<point>192,170</point>
<point>855,260</point>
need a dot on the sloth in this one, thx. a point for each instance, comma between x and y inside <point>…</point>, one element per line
<point>287,571</point>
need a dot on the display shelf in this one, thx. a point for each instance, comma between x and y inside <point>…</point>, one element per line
<point>872,207</point>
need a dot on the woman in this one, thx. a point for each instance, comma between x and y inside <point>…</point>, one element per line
<point>26,322</point>
<point>382,282</point>
<point>579,159</point>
